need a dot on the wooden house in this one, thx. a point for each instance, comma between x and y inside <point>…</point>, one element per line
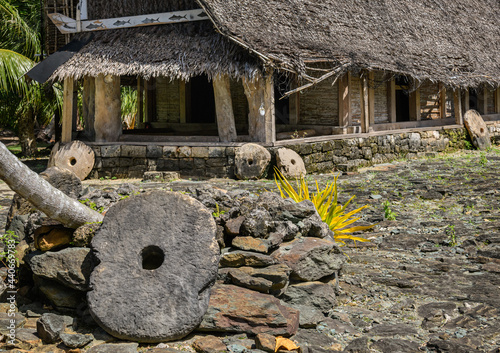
<point>264,71</point>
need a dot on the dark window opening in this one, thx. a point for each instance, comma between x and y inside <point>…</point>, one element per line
<point>281,105</point>
<point>202,101</point>
<point>474,101</point>
<point>402,99</point>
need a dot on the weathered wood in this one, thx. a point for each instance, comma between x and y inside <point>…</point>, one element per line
<point>391,100</point>
<point>75,156</point>
<point>442,101</point>
<point>224,108</point>
<point>108,122</point>
<point>53,202</point>
<point>68,105</point>
<point>478,130</point>
<point>466,100</point>
<point>150,95</point>
<point>88,106</point>
<point>261,118</point>
<point>457,104</point>
<point>182,97</point>
<point>293,105</point>
<point>344,101</point>
<point>139,119</point>
<point>365,115</point>
<point>415,105</point>
<point>371,100</point>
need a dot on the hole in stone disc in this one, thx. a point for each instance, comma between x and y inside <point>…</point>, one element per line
<point>152,257</point>
<point>250,161</point>
<point>482,131</point>
<point>72,161</point>
<point>292,161</point>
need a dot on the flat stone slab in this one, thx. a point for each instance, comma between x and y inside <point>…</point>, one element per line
<point>158,260</point>
<point>235,309</point>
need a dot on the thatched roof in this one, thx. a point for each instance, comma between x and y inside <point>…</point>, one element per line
<point>453,41</point>
<point>179,50</point>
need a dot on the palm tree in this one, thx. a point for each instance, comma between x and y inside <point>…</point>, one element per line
<point>22,102</point>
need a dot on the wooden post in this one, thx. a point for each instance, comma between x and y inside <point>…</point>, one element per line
<point>497,101</point>
<point>88,106</point>
<point>457,103</point>
<point>224,108</point>
<point>371,100</point>
<point>345,116</point>
<point>139,119</point>
<point>108,122</point>
<point>261,118</point>
<point>442,101</point>
<point>150,95</point>
<point>68,109</point>
<point>467,100</point>
<point>365,113</point>
<point>391,100</point>
<point>415,105</point>
<point>182,97</point>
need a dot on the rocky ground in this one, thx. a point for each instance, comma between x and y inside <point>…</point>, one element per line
<point>429,280</point>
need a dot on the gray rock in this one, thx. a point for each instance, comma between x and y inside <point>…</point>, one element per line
<point>257,223</point>
<point>83,235</point>
<point>310,258</point>
<point>309,317</point>
<point>50,326</point>
<point>59,295</point>
<point>245,258</point>
<point>114,348</point>
<point>271,279</point>
<point>290,164</point>
<point>70,267</point>
<point>318,295</point>
<point>393,330</point>
<point>63,179</point>
<point>75,340</point>
<point>396,345</point>
<point>153,287</point>
<point>251,161</point>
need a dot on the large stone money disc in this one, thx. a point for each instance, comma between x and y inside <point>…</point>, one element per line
<point>158,260</point>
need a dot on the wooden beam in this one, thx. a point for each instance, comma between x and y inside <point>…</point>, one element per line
<point>391,100</point>
<point>182,97</point>
<point>261,117</point>
<point>365,114</point>
<point>457,104</point>
<point>344,101</point>
<point>442,101</point>
<point>415,113</point>
<point>68,109</point>
<point>108,122</point>
<point>497,101</point>
<point>139,119</point>
<point>467,100</point>
<point>371,100</point>
<point>224,108</point>
<point>88,106</point>
<point>150,95</point>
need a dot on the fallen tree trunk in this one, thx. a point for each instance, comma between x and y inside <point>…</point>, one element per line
<point>53,202</point>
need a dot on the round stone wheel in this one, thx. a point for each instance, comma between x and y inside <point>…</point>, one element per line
<point>158,259</point>
<point>75,156</point>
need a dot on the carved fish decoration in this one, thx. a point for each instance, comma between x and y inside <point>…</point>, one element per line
<point>176,18</point>
<point>66,24</point>
<point>120,23</point>
<point>150,20</point>
<point>94,26</point>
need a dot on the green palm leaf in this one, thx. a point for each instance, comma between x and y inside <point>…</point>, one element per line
<point>13,66</point>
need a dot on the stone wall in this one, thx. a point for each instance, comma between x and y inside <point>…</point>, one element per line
<point>340,154</point>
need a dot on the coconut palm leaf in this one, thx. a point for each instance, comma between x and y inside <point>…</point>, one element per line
<point>13,66</point>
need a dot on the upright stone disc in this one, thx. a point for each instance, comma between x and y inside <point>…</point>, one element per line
<point>478,130</point>
<point>75,156</point>
<point>158,260</point>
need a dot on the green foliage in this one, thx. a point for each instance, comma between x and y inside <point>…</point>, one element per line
<point>129,106</point>
<point>92,205</point>
<point>452,235</point>
<point>217,212</point>
<point>325,201</point>
<point>468,145</point>
<point>388,213</point>
<point>483,160</point>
